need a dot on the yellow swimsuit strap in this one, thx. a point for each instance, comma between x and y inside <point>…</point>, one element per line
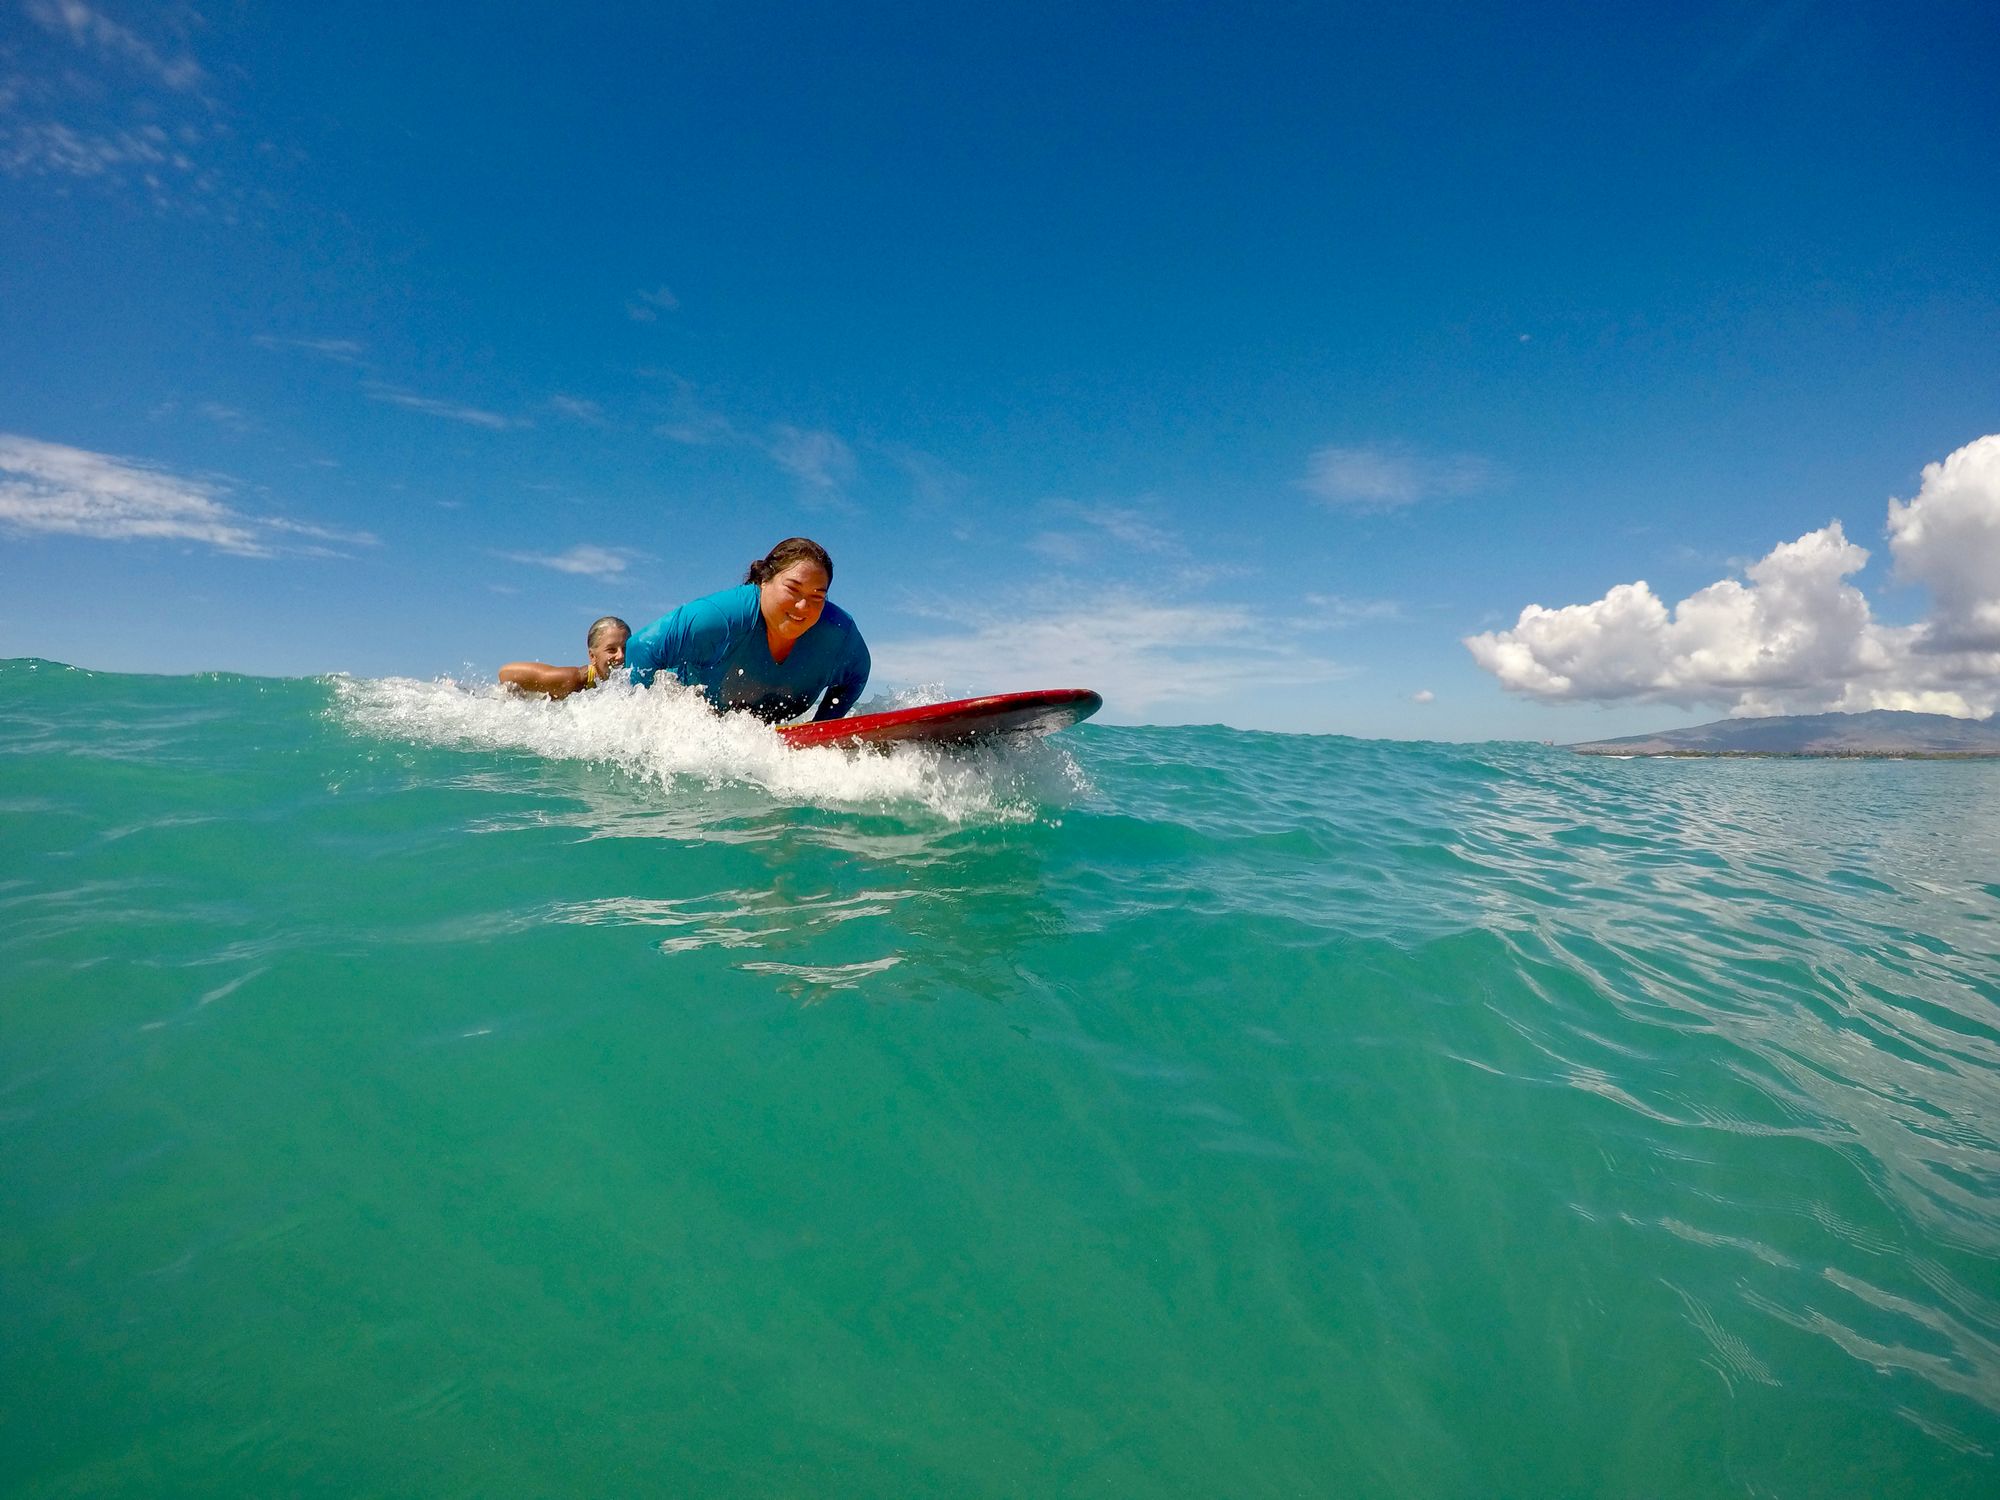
<point>590,675</point>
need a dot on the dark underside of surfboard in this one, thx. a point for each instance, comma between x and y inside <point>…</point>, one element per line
<point>964,721</point>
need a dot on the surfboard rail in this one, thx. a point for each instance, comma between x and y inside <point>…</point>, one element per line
<point>960,722</point>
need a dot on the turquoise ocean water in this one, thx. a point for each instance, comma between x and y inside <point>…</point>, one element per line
<point>405,1091</point>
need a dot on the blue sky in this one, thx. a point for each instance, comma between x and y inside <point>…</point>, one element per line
<point>1243,362</point>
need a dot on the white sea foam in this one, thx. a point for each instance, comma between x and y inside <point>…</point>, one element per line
<point>670,738</point>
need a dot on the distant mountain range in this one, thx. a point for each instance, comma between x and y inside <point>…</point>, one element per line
<point>1879,732</point>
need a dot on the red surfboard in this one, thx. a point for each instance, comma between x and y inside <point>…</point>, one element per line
<point>961,722</point>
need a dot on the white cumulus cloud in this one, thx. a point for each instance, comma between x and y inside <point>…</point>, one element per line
<point>1794,635</point>
<point>1948,540</point>
<point>50,489</point>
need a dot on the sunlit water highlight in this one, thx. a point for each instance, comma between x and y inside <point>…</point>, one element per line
<point>411,1090</point>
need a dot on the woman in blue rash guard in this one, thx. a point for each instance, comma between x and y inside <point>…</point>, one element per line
<point>771,646</point>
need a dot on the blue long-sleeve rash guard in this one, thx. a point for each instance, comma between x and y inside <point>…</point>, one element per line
<point>718,643</point>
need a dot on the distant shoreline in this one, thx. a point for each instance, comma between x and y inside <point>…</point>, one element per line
<point>1636,754</point>
<point>1876,734</point>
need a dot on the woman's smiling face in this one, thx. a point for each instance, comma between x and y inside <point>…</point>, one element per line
<point>607,652</point>
<point>793,599</point>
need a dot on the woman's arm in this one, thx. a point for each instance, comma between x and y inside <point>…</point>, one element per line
<point>540,677</point>
<point>846,689</point>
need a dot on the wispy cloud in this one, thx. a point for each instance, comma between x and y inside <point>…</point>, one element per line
<point>689,420</point>
<point>50,148</point>
<point>578,410</point>
<point>1098,528</point>
<point>646,307</point>
<point>1339,610</point>
<point>1390,477</point>
<point>318,533</point>
<point>1753,34</point>
<point>818,459</point>
<point>224,416</point>
<point>96,32</point>
<point>938,492</point>
<point>352,352</point>
<point>1173,657</point>
<point>340,351</point>
<point>451,411</point>
<point>91,100</point>
<point>584,560</point>
<point>50,489</point>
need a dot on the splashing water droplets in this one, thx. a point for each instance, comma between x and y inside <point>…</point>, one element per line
<point>667,735</point>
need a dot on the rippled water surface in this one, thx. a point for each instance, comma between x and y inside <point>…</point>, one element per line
<point>409,1091</point>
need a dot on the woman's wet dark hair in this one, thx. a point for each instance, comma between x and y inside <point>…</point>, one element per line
<point>791,550</point>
